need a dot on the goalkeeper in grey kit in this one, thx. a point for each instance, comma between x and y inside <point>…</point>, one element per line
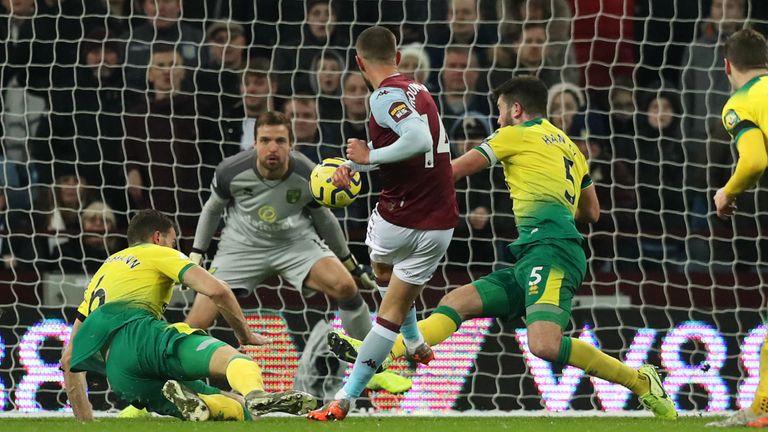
<point>274,227</point>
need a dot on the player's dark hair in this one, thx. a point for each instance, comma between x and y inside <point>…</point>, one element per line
<point>746,50</point>
<point>146,222</point>
<point>377,44</point>
<point>529,91</point>
<point>274,118</point>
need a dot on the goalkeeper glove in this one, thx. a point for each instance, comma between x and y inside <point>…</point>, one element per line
<point>362,272</point>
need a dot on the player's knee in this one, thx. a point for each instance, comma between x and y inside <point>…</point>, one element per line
<point>544,347</point>
<point>345,289</point>
<point>464,301</point>
<point>454,301</point>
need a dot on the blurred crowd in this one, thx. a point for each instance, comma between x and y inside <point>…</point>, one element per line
<point>109,106</point>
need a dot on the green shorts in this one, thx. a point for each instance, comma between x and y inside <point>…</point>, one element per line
<point>147,352</point>
<point>539,287</point>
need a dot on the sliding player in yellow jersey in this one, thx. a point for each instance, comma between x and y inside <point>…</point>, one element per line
<point>119,332</point>
<point>745,117</point>
<point>551,189</point>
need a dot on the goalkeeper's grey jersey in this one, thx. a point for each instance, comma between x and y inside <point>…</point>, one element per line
<point>262,212</point>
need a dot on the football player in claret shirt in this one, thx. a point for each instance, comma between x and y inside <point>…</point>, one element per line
<point>551,190</point>
<point>745,117</point>
<point>119,332</point>
<point>412,225</point>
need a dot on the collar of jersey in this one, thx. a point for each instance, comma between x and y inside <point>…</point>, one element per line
<point>533,121</point>
<point>750,83</point>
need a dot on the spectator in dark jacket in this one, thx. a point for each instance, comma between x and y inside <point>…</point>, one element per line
<point>163,148</point>
<point>293,61</point>
<point>87,126</point>
<point>659,163</point>
<point>237,126</point>
<point>163,26</point>
<point>218,80</point>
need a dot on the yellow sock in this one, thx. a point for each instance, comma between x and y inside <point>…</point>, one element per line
<point>244,375</point>
<point>435,329</point>
<point>760,404</point>
<point>223,408</point>
<point>599,364</point>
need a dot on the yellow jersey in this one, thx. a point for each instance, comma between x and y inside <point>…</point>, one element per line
<point>746,108</point>
<point>141,275</point>
<point>545,173</point>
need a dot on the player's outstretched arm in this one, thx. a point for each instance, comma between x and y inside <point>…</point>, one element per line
<point>588,210</point>
<point>329,229</point>
<point>209,220</point>
<point>74,383</point>
<point>752,162</point>
<point>468,164</point>
<point>219,292</point>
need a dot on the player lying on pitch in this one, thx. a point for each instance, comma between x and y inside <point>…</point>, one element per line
<point>550,187</point>
<point>119,332</point>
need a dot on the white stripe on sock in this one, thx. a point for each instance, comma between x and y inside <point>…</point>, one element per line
<point>384,332</point>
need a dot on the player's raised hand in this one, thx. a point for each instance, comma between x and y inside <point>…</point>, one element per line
<point>358,151</point>
<point>724,204</point>
<point>342,176</point>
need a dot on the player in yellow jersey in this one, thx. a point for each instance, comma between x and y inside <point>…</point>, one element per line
<point>745,117</point>
<point>119,332</point>
<point>551,190</point>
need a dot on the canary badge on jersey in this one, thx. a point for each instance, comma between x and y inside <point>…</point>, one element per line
<point>399,111</point>
<point>731,119</point>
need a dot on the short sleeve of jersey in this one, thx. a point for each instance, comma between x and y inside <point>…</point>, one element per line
<point>502,144</point>
<point>581,161</point>
<point>737,116</point>
<point>169,262</point>
<point>391,108</point>
<point>82,310</point>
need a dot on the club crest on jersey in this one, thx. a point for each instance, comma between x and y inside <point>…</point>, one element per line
<point>292,195</point>
<point>731,119</point>
<point>399,111</point>
<point>268,214</point>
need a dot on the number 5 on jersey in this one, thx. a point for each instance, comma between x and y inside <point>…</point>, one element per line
<point>442,143</point>
<point>571,198</point>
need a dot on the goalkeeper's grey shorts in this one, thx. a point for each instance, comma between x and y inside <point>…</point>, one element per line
<point>245,267</point>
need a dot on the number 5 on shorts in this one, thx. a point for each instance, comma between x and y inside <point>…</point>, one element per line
<point>535,277</point>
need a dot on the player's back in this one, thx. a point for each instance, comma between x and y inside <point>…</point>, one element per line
<point>143,274</point>
<point>747,108</point>
<point>418,192</point>
<point>545,173</point>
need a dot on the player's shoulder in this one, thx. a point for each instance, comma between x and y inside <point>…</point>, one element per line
<point>302,165</point>
<point>151,250</point>
<point>239,162</point>
<point>233,166</point>
<point>507,134</point>
<point>383,96</point>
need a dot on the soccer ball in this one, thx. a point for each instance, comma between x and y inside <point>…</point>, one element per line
<point>325,193</point>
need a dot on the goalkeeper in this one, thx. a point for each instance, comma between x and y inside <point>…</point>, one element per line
<point>119,332</point>
<point>745,117</point>
<point>551,189</point>
<point>274,227</point>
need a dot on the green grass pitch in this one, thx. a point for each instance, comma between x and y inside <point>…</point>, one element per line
<point>362,424</point>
